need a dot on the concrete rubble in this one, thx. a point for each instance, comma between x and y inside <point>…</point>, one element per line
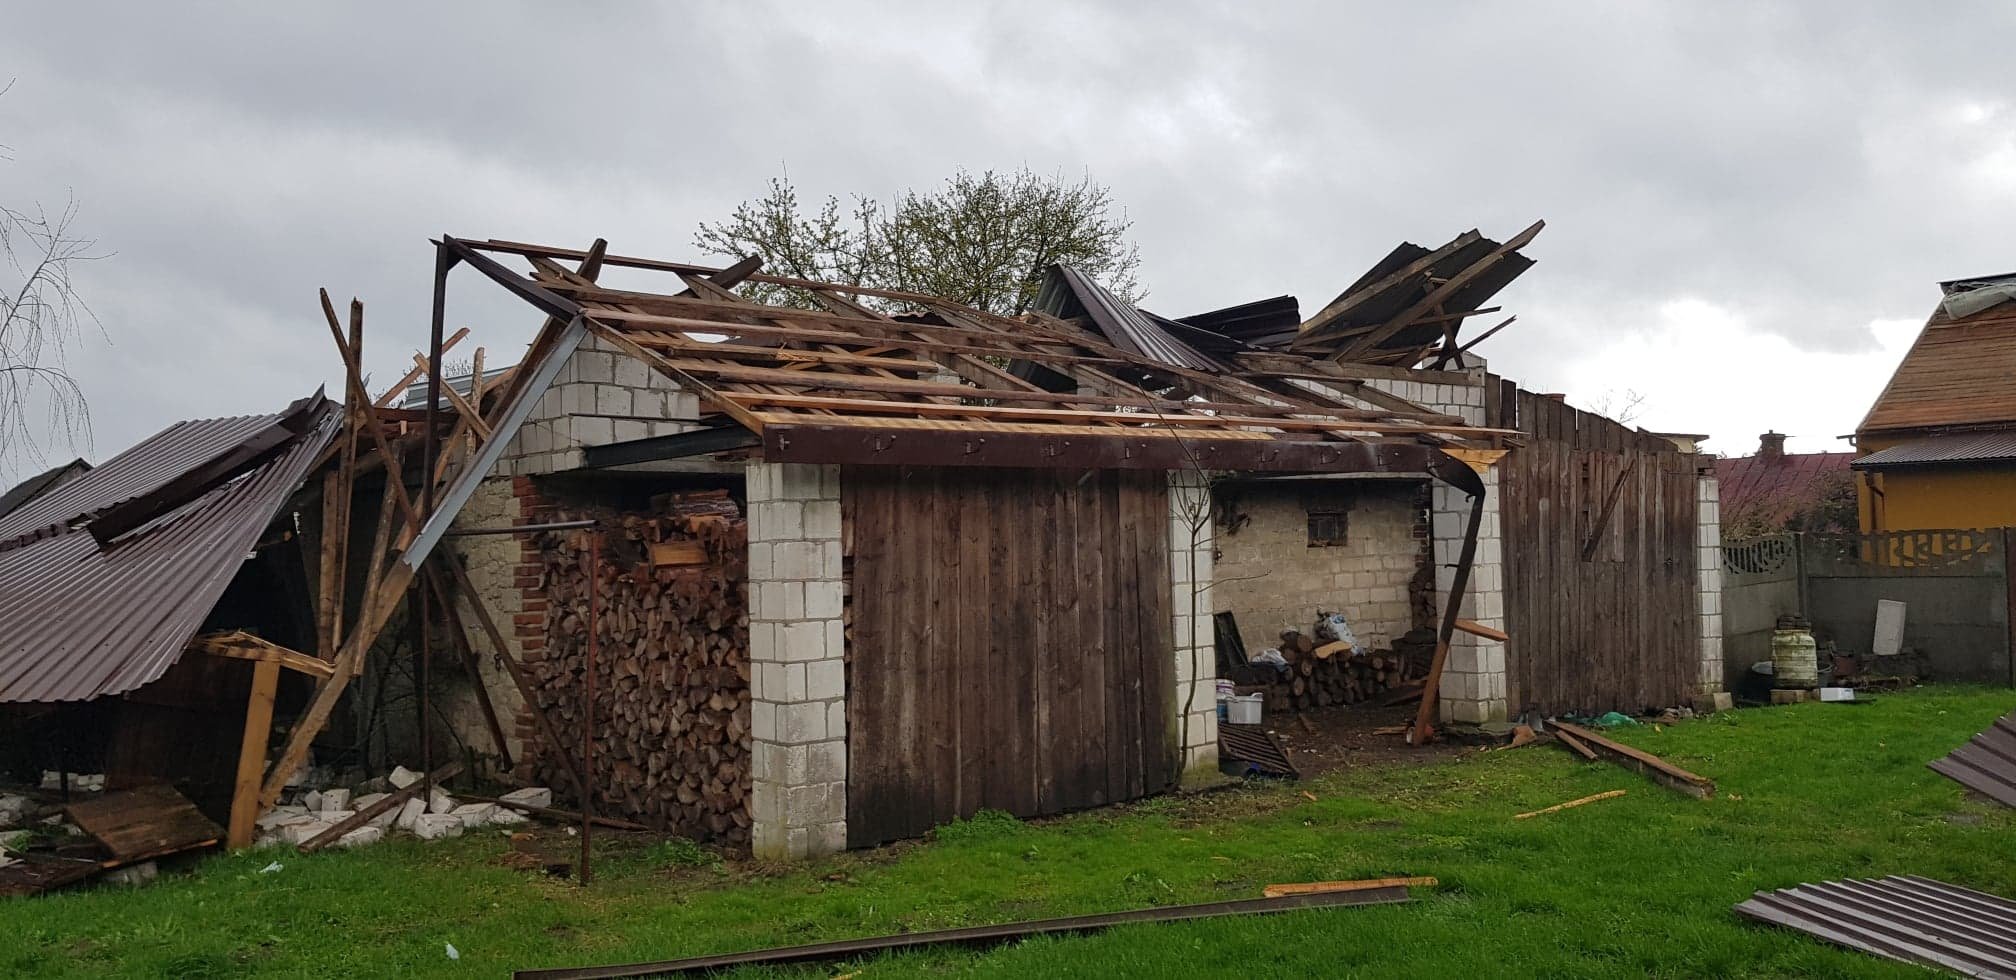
<point>313,811</point>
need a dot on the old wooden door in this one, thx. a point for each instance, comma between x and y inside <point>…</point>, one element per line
<point>1011,644</point>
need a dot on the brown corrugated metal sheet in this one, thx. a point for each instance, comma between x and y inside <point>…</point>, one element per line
<point>1970,447</point>
<point>78,621</point>
<point>1903,917</point>
<point>1956,373</point>
<point>1068,293</point>
<point>1986,765</point>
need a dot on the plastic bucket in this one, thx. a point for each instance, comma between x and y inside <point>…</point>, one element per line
<point>1244,709</point>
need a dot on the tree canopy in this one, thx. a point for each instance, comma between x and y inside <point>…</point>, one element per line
<point>980,239</point>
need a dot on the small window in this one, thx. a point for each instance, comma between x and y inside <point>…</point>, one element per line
<point>1328,528</point>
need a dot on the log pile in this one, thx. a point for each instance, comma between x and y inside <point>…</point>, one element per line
<point>671,725</point>
<point>1344,679</point>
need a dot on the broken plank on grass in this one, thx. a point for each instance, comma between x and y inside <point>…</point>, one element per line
<point>1576,745</point>
<point>1651,765</point>
<point>1327,887</point>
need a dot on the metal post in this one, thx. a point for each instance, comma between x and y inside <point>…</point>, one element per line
<point>588,705</point>
<point>424,612</point>
<point>431,446</point>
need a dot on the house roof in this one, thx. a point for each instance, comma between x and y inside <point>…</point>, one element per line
<point>1774,487</point>
<point>39,484</point>
<point>1957,447</point>
<point>82,617</point>
<point>1958,371</point>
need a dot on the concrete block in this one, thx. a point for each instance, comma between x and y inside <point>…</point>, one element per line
<point>763,720</point>
<point>299,833</point>
<point>825,680</point>
<point>1705,704</point>
<point>826,762</point>
<point>756,479</point>
<point>335,816</point>
<point>409,814</point>
<point>507,817</point>
<point>632,373</point>
<point>433,826</point>
<point>530,796</point>
<point>335,799</point>
<point>821,520</point>
<point>836,719</point>
<point>801,481</point>
<point>782,520</point>
<point>800,723</point>
<point>829,838</point>
<point>312,801</point>
<point>474,815</point>
<point>800,642</point>
<point>798,560</point>
<point>439,801</point>
<point>282,816</point>
<point>824,599</point>
<point>361,837</point>
<point>134,874</point>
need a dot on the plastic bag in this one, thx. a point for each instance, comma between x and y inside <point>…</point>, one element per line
<point>1331,627</point>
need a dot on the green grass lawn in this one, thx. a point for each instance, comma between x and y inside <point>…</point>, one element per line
<point>1629,887</point>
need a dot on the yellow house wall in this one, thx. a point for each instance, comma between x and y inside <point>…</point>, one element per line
<point>1956,496</point>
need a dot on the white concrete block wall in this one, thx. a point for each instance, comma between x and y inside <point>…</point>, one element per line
<point>1474,678</point>
<point>1191,574</point>
<point>1709,566</point>
<point>797,670</point>
<point>601,396</point>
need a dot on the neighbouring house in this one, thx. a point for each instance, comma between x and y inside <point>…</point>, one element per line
<point>1773,490</point>
<point>1938,447</point>
<point>866,567</point>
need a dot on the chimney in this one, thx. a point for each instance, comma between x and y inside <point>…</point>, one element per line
<point>1771,445</point>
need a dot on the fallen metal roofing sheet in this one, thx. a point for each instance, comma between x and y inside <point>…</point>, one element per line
<point>1903,917</point>
<point>78,621</point>
<point>1968,447</point>
<point>1986,765</point>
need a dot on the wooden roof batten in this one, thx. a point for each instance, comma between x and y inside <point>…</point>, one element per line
<point>850,383</point>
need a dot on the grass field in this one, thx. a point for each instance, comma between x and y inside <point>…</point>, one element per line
<point>1636,886</point>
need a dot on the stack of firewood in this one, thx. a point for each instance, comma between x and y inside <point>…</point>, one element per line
<point>1343,678</point>
<point>671,722</point>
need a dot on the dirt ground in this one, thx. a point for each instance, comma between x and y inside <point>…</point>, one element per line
<point>1327,739</point>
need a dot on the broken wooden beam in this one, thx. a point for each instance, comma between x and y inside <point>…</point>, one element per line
<point>1475,628</point>
<point>555,814</point>
<point>1575,744</point>
<point>1651,765</point>
<point>1328,887</point>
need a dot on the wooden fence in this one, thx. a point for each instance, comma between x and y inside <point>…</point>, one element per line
<point>1599,536</point>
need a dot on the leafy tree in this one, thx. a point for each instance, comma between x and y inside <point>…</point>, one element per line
<point>979,239</point>
<point>41,315</point>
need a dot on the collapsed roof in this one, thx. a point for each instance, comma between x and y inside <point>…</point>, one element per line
<point>104,579</point>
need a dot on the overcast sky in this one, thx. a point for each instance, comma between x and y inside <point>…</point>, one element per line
<point>1748,205</point>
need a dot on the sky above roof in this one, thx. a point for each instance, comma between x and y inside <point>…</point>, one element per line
<point>1748,205</point>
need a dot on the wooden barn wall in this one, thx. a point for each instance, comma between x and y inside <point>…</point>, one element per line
<point>1615,626</point>
<point>1011,646</point>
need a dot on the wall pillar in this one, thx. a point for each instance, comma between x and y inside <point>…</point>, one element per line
<point>1190,573</point>
<point>1474,678</point>
<point>797,675</point>
<point>1709,568</point>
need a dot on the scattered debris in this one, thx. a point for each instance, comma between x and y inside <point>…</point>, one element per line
<point>1575,744</point>
<point>271,868</point>
<point>1902,917</point>
<point>975,935</point>
<point>1651,765</point>
<point>1987,763</point>
<point>1610,795</point>
<point>453,953</point>
<point>1327,887</point>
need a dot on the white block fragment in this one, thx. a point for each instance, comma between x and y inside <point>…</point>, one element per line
<point>507,817</point>
<point>409,813</point>
<point>440,802</point>
<point>432,826</point>
<point>312,800</point>
<point>335,799</point>
<point>301,833</point>
<point>474,814</point>
<point>137,874</point>
<point>361,836</point>
<point>530,796</point>
<point>402,777</point>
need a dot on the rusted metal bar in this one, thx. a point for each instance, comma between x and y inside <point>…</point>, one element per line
<point>463,532</point>
<point>976,935</point>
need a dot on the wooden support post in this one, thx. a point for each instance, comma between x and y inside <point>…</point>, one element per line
<point>252,752</point>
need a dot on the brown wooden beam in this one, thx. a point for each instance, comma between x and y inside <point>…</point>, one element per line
<point>245,806</point>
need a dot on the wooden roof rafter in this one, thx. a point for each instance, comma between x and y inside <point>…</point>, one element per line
<point>785,372</point>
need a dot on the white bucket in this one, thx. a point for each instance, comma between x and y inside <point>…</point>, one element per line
<point>1226,689</point>
<point>1244,709</point>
